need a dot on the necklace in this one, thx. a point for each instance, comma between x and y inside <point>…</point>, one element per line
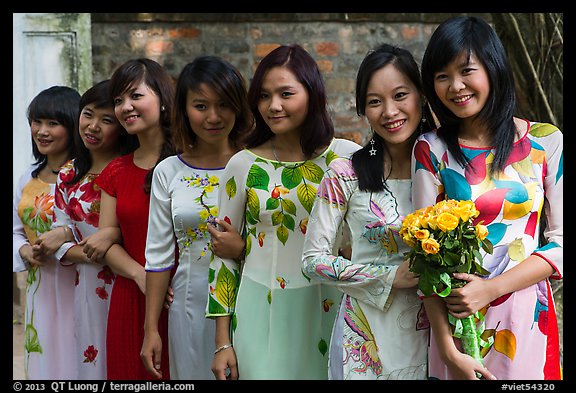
<point>274,153</point>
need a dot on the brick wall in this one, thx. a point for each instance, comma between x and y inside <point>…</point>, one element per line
<point>338,42</point>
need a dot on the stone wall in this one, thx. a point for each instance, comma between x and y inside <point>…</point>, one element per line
<point>337,41</point>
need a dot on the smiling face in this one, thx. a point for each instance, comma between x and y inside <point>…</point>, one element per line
<point>393,105</point>
<point>463,86</point>
<point>210,117</point>
<point>50,136</point>
<point>138,108</point>
<point>99,128</point>
<point>283,101</point>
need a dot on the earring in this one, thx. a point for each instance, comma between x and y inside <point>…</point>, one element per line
<point>372,151</point>
<point>162,108</point>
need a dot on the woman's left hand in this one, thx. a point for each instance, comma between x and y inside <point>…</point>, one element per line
<point>465,301</point>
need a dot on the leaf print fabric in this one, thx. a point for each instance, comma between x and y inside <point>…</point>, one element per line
<point>281,321</point>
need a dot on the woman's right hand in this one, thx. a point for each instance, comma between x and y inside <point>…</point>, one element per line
<point>224,364</point>
<point>151,354</point>
<point>464,367</point>
<point>404,277</point>
<point>169,298</point>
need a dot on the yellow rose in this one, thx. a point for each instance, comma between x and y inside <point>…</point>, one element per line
<point>430,246</point>
<point>409,240</point>
<point>470,206</point>
<point>422,234</point>
<point>481,231</point>
<point>447,222</point>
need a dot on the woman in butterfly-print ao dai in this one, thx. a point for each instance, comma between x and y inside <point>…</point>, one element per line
<point>379,332</point>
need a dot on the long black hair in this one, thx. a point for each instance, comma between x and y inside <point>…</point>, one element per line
<point>58,103</point>
<point>370,169</point>
<point>472,35</point>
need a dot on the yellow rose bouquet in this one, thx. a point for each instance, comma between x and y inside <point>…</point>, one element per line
<point>443,240</point>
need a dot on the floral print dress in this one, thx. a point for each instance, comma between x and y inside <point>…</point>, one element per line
<point>281,321</point>
<point>182,201</point>
<point>49,347</point>
<point>520,328</point>
<point>380,332</point>
<point>78,207</point>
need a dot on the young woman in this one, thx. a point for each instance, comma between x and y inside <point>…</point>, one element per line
<point>143,93</point>
<point>379,332</point>
<point>77,206</point>
<point>48,320</point>
<point>211,115</point>
<point>278,321</point>
<point>512,169</point>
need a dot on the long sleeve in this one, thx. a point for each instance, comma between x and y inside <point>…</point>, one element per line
<point>19,237</point>
<point>553,143</point>
<point>61,211</point>
<point>368,280</point>
<point>224,274</point>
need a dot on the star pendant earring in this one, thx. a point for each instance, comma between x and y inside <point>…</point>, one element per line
<point>372,151</point>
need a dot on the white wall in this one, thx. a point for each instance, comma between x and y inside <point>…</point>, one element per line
<point>48,49</point>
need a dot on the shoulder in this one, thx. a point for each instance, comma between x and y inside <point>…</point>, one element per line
<point>430,141</point>
<point>243,158</point>
<point>168,164</point>
<point>342,167</point>
<point>344,147</point>
<point>545,130</point>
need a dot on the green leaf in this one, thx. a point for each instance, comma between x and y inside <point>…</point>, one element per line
<point>289,222</point>
<point>306,195</point>
<point>282,234</point>
<point>312,172</point>
<point>289,206</point>
<point>452,259</point>
<point>277,218</point>
<point>231,188</point>
<point>291,177</point>
<point>272,203</point>
<point>257,178</point>
<point>487,246</point>
<point>253,203</point>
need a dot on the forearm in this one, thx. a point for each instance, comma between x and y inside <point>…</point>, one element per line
<point>76,255</point>
<point>532,270</point>
<point>222,331</point>
<point>122,263</point>
<point>156,287</point>
<point>440,326</point>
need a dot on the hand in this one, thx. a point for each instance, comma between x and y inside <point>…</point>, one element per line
<point>226,243</point>
<point>223,361</point>
<point>465,301</point>
<point>27,255</point>
<point>464,367</point>
<point>151,354</point>
<point>96,245</point>
<point>49,242</point>
<point>404,277</point>
<point>169,298</point>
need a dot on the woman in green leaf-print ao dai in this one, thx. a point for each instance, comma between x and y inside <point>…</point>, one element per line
<point>279,321</point>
